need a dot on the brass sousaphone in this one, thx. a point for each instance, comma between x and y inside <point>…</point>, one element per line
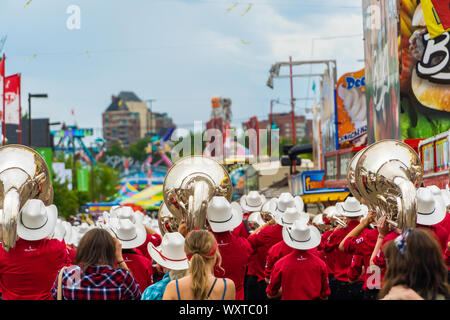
<point>189,186</point>
<point>24,175</point>
<point>386,175</point>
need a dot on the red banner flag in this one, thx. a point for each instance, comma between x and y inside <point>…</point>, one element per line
<point>12,99</point>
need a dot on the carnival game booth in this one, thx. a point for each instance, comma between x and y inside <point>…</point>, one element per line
<point>434,154</point>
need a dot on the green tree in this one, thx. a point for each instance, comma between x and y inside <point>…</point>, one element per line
<point>106,179</point>
<point>137,151</point>
<point>65,200</point>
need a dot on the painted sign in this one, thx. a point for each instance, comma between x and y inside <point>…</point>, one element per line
<point>351,109</point>
<point>382,69</point>
<point>313,182</point>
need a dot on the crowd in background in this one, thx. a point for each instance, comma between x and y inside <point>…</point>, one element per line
<point>345,253</point>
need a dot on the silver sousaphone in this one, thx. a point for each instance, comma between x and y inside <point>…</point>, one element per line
<point>386,175</point>
<point>189,186</point>
<point>24,175</point>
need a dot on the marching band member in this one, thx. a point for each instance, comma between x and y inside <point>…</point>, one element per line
<point>300,275</point>
<point>169,256</point>
<point>431,211</point>
<point>281,249</point>
<point>235,251</point>
<point>250,204</point>
<point>262,240</point>
<point>28,270</point>
<point>131,236</point>
<point>360,242</point>
<point>352,210</point>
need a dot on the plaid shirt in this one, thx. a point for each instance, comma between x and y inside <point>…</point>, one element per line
<point>97,283</point>
<point>156,291</point>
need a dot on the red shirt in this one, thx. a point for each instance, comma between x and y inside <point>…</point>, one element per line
<point>28,271</point>
<point>361,246</point>
<point>342,260</point>
<point>380,259</point>
<point>140,267</point>
<point>72,252</point>
<point>301,276</point>
<point>355,270</point>
<point>328,257</point>
<point>447,255</point>
<point>439,233</point>
<point>261,243</point>
<point>235,252</point>
<point>275,253</point>
<point>446,222</point>
<point>153,238</point>
<point>241,230</point>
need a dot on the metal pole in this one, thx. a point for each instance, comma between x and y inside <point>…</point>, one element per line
<point>292,105</point>
<point>20,109</point>
<point>270,128</point>
<point>29,120</point>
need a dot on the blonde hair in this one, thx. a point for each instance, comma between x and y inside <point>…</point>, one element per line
<point>198,245</point>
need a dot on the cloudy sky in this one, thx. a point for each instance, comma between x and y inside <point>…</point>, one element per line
<point>180,53</point>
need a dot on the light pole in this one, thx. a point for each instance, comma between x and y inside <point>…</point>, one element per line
<point>31,95</point>
<point>275,73</point>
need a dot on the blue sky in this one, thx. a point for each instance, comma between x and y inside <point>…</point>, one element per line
<point>180,53</point>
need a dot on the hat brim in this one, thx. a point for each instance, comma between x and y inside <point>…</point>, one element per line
<point>141,236</point>
<point>236,220</point>
<point>173,265</point>
<point>431,219</point>
<point>304,217</point>
<point>278,213</point>
<point>43,232</point>
<point>250,208</point>
<point>313,241</point>
<point>352,214</point>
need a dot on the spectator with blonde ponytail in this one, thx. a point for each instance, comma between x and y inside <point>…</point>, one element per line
<point>200,284</point>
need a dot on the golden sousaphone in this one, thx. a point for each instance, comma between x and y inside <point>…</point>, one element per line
<point>189,186</point>
<point>24,175</point>
<point>386,175</point>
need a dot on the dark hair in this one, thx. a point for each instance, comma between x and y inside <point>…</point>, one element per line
<point>421,267</point>
<point>96,247</point>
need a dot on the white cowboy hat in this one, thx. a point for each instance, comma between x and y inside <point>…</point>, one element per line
<point>290,215</point>
<point>78,232</point>
<point>59,231</point>
<point>223,216</point>
<point>445,193</point>
<point>431,208</point>
<point>36,221</point>
<point>170,254</point>
<point>351,208</point>
<point>252,202</point>
<point>125,212</point>
<point>68,234</point>
<point>255,217</point>
<point>318,219</point>
<point>131,235</point>
<point>284,201</point>
<point>330,211</point>
<point>301,236</point>
<point>139,216</point>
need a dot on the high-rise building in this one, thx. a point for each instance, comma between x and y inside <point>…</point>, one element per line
<point>126,119</point>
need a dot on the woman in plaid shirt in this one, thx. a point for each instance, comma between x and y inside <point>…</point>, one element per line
<point>96,277</point>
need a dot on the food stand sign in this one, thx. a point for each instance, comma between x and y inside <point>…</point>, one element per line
<point>313,182</point>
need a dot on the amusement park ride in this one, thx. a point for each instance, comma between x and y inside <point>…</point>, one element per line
<point>71,142</point>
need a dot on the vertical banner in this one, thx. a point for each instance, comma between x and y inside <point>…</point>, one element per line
<point>382,69</point>
<point>47,154</point>
<point>352,110</point>
<point>328,116</point>
<point>424,70</point>
<point>83,179</point>
<point>12,99</point>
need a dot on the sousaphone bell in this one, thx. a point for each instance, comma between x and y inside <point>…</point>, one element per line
<point>189,186</point>
<point>24,175</point>
<point>386,174</point>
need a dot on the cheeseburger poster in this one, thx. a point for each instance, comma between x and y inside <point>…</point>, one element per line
<point>424,68</point>
<point>351,109</point>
